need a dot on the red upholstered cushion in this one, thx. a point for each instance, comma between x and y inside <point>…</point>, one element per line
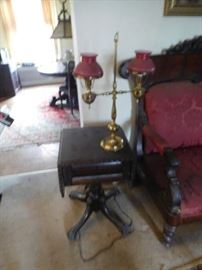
<point>175,111</point>
<point>189,174</point>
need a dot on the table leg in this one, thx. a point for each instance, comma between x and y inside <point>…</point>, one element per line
<point>73,232</point>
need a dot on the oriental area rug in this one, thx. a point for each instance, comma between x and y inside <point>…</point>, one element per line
<point>35,121</point>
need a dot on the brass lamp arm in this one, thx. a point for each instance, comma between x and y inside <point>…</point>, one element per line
<point>123,91</point>
<point>107,93</point>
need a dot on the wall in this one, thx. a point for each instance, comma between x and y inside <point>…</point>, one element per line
<point>141,25</point>
<point>3,42</point>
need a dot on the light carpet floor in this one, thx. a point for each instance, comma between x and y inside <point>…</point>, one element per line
<point>34,220</point>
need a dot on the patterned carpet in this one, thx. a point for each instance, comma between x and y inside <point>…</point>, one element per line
<point>35,121</point>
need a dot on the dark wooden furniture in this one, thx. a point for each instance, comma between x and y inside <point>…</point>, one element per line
<point>180,62</point>
<point>68,92</point>
<point>82,161</point>
<point>167,139</point>
<point>9,81</point>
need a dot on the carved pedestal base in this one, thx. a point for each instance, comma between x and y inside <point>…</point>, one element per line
<point>95,199</point>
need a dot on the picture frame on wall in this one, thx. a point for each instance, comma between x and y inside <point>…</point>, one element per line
<point>183,8</point>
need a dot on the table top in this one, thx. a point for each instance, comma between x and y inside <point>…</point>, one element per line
<point>82,145</point>
<point>58,69</point>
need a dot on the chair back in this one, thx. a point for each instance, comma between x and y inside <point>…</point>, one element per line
<point>174,110</point>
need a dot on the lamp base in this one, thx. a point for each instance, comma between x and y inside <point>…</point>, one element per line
<point>112,143</point>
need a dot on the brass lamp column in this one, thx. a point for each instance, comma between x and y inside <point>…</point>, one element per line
<point>113,142</point>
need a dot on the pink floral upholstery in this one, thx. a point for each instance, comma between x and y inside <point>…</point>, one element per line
<point>174,110</point>
<point>189,174</point>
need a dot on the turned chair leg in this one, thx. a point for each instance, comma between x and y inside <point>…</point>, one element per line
<point>168,234</point>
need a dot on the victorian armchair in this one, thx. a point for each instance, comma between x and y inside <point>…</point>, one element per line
<point>169,134</point>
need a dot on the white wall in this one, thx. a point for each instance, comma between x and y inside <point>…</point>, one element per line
<point>141,25</point>
<point>3,39</point>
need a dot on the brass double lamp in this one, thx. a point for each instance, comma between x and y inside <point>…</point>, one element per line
<point>89,70</point>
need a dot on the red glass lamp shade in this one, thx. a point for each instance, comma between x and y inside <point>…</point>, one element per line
<point>88,67</point>
<point>142,63</point>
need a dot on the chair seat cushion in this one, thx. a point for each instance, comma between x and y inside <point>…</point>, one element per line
<point>174,110</point>
<point>189,174</point>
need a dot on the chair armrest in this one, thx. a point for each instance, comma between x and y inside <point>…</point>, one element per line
<point>155,138</point>
<point>161,145</point>
<point>170,169</point>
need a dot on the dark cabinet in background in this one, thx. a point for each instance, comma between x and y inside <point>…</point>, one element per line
<point>9,81</point>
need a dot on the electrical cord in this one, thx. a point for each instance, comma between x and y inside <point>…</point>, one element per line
<point>97,253</point>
